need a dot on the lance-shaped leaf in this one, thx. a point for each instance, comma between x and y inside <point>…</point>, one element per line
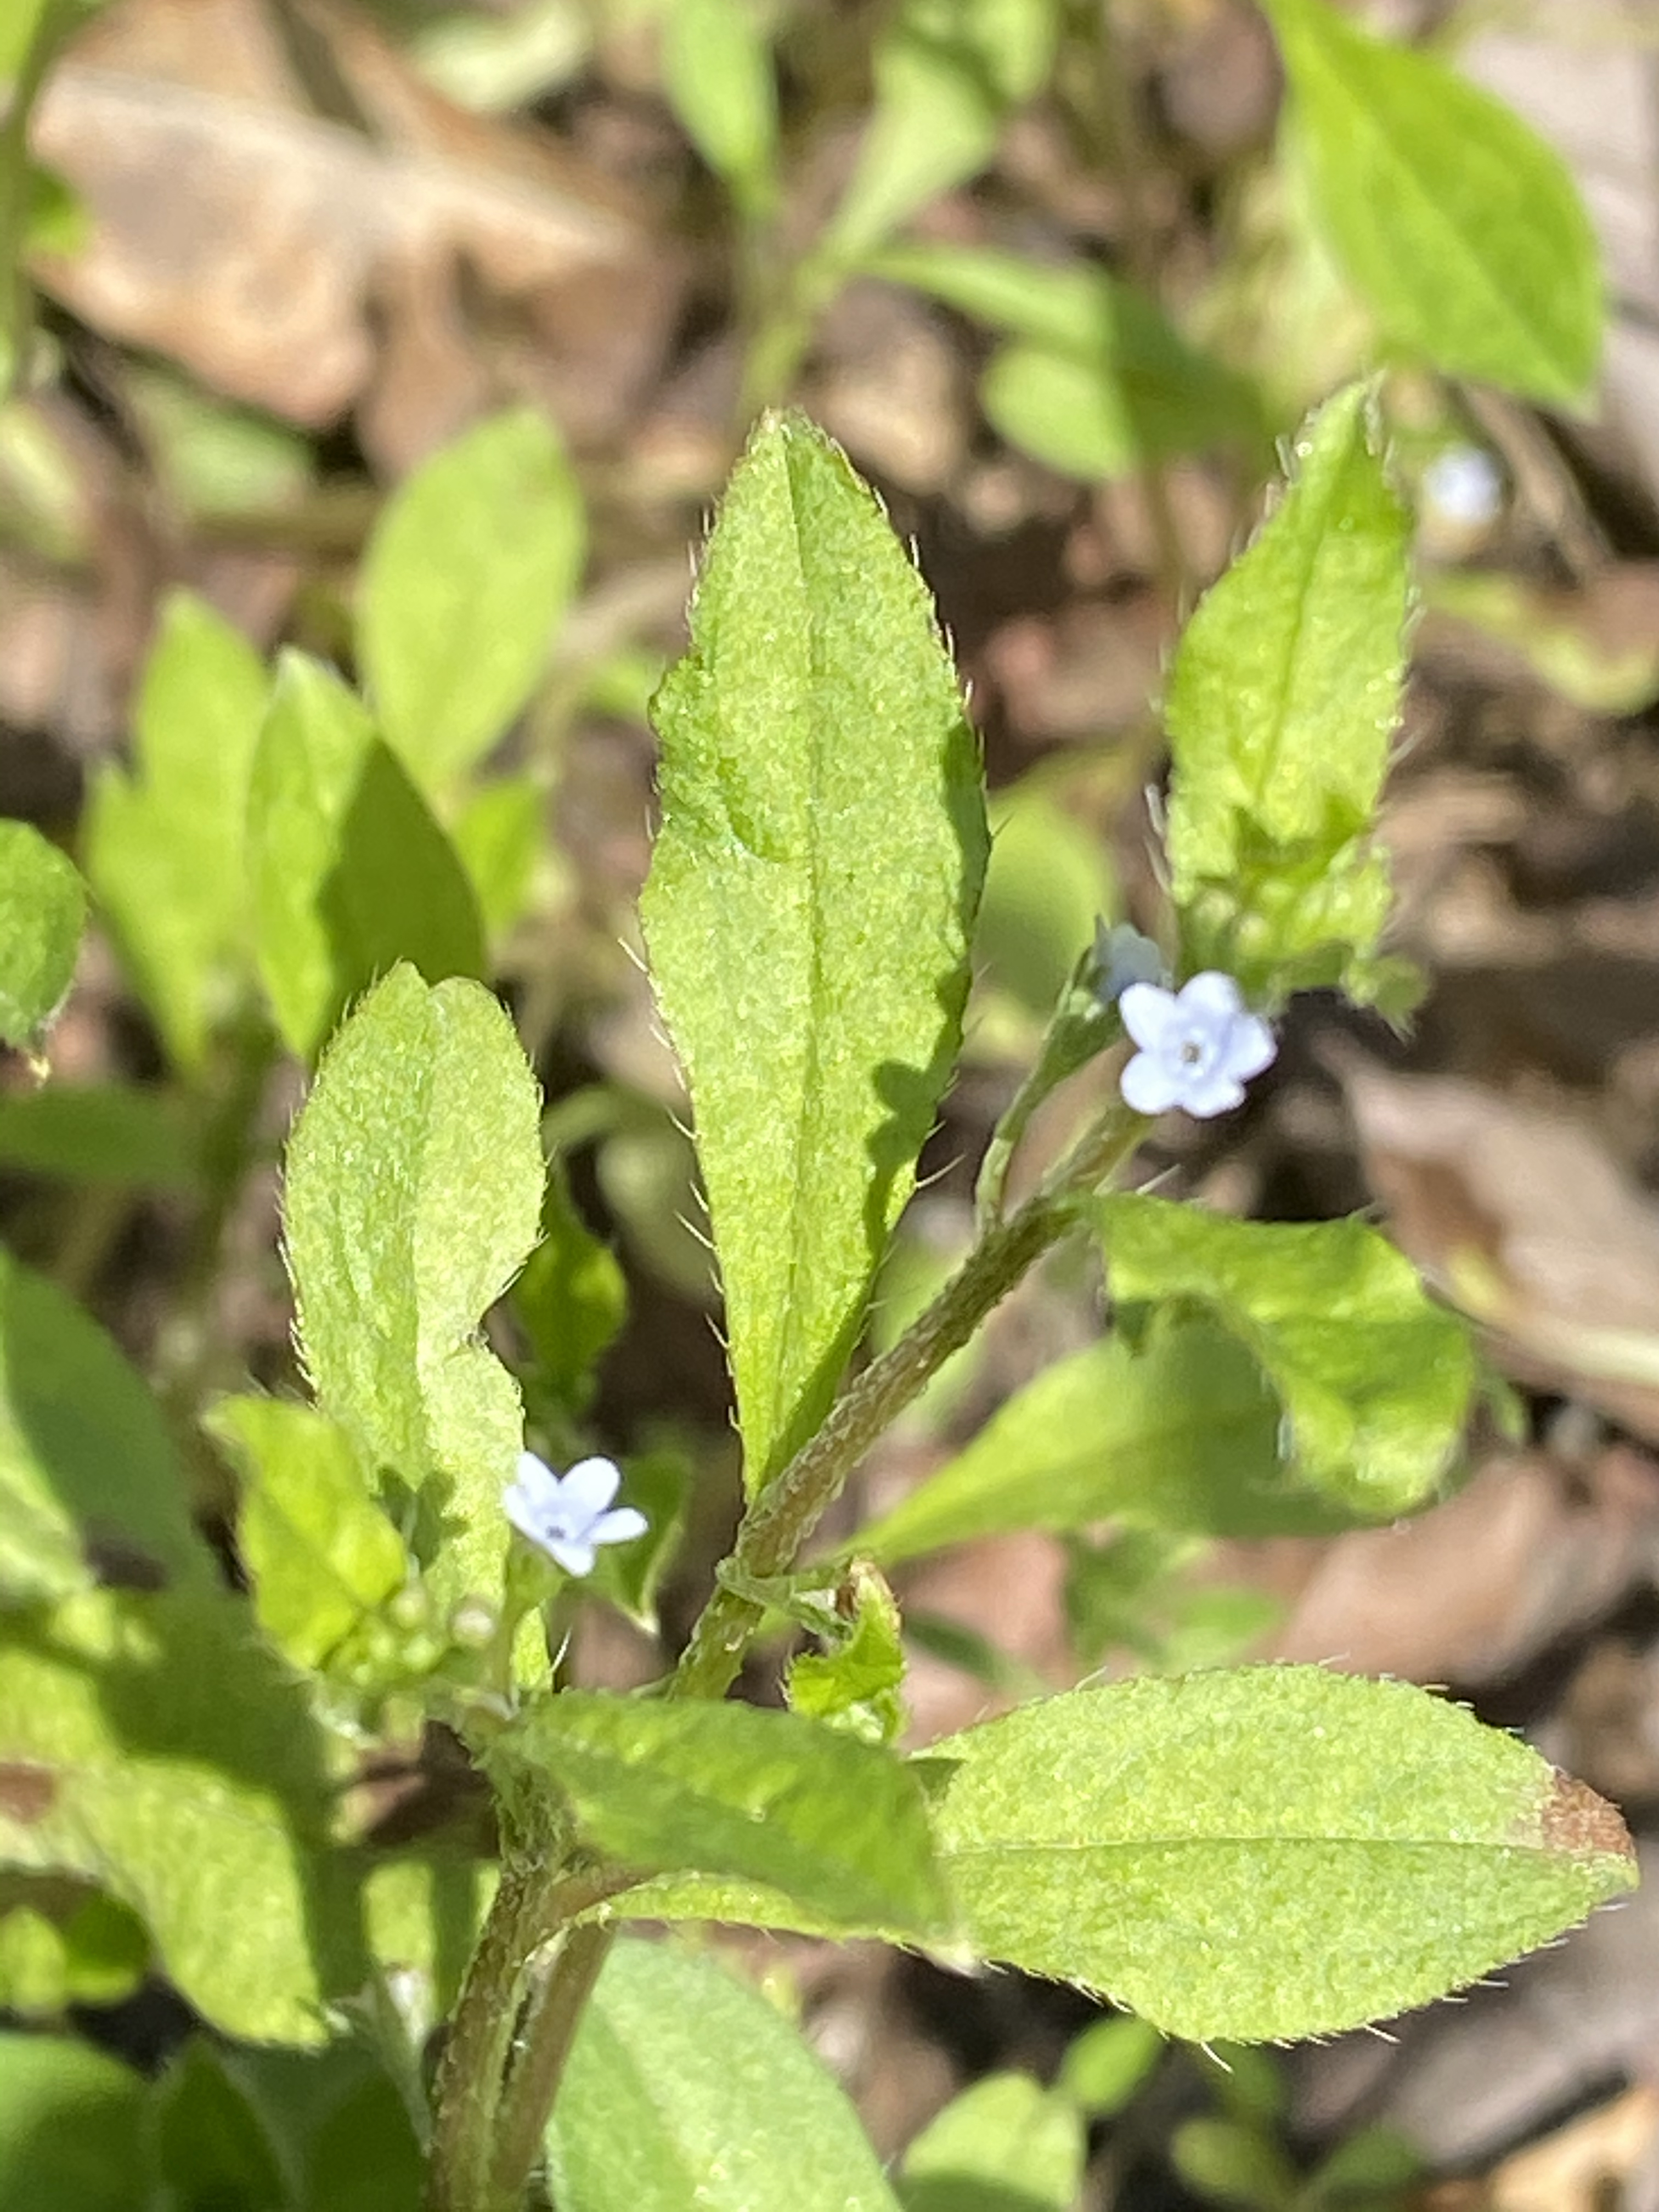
<point>43,905</point>
<point>1461,228</point>
<point>165,846</point>
<point>91,1487</point>
<point>1374,1378</point>
<point>351,874</point>
<point>839,1826</point>
<point>1277,1852</point>
<point>1280,708</point>
<point>149,1745</point>
<point>469,569</point>
<point>687,2087</point>
<point>1181,1433</point>
<point>414,1191</point>
<point>809,907</point>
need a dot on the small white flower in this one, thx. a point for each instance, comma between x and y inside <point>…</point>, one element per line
<point>1199,1047</point>
<point>566,1515</point>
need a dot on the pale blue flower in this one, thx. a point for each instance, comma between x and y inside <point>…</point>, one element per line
<point>566,1515</point>
<point>1199,1046</point>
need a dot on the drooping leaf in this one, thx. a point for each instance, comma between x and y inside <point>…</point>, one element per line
<point>719,77</point>
<point>471,568</point>
<point>1461,228</point>
<point>1375,1380</point>
<point>729,1789</point>
<point>1279,1851</point>
<point>101,1132</point>
<point>166,847</point>
<point>684,2085</point>
<point>72,2127</point>
<point>350,872</point>
<point>150,1746</point>
<point>43,907</point>
<point>320,1552</point>
<point>1005,2144</point>
<point>414,1190</point>
<point>1280,708</point>
<point>854,1683</point>
<point>809,907</point>
<point>1181,1433</point>
<point>91,1487</point>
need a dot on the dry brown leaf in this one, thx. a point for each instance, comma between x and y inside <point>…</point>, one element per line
<point>274,250</point>
<point>1524,1221</point>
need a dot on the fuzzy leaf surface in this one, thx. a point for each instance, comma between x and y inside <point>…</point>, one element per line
<point>686,2087</point>
<point>1280,708</point>
<point>414,1190</point>
<point>809,907</point>
<point>1461,227</point>
<point>1374,1378</point>
<point>730,1790</point>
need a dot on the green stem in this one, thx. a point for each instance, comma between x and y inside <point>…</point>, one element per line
<point>489,2118</point>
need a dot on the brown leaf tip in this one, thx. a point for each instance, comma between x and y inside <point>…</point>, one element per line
<point>1573,1818</point>
<point>25,1791</point>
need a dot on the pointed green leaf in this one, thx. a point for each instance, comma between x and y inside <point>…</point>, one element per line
<point>809,907</point>
<point>73,2127</point>
<point>1461,228</point>
<point>1280,708</point>
<point>687,2087</point>
<point>91,1487</point>
<point>1007,2144</point>
<point>151,1746</point>
<point>730,1790</point>
<point>322,1556</point>
<point>43,907</point>
<point>166,846</point>
<point>414,1191</point>
<point>719,77</point>
<point>1181,1433</point>
<point>351,874</point>
<point>1375,1380</point>
<point>469,572</point>
<point>1279,1851</point>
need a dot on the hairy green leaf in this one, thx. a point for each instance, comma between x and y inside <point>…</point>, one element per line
<point>687,2087</point>
<point>43,908</point>
<point>1279,1851</point>
<point>1280,708</point>
<point>469,572</point>
<point>1375,1380</point>
<point>351,874</point>
<point>165,847</point>
<point>729,1789</point>
<point>1461,228</point>
<point>91,1487</point>
<point>414,1191</point>
<point>809,907</point>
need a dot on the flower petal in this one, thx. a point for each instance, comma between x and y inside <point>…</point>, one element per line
<point>589,1488</point>
<point>1206,1095</point>
<point>1148,1012</point>
<point>1251,1047</point>
<point>574,1554</point>
<point>1149,1085</point>
<point>620,1526</point>
<point>1212,997</point>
